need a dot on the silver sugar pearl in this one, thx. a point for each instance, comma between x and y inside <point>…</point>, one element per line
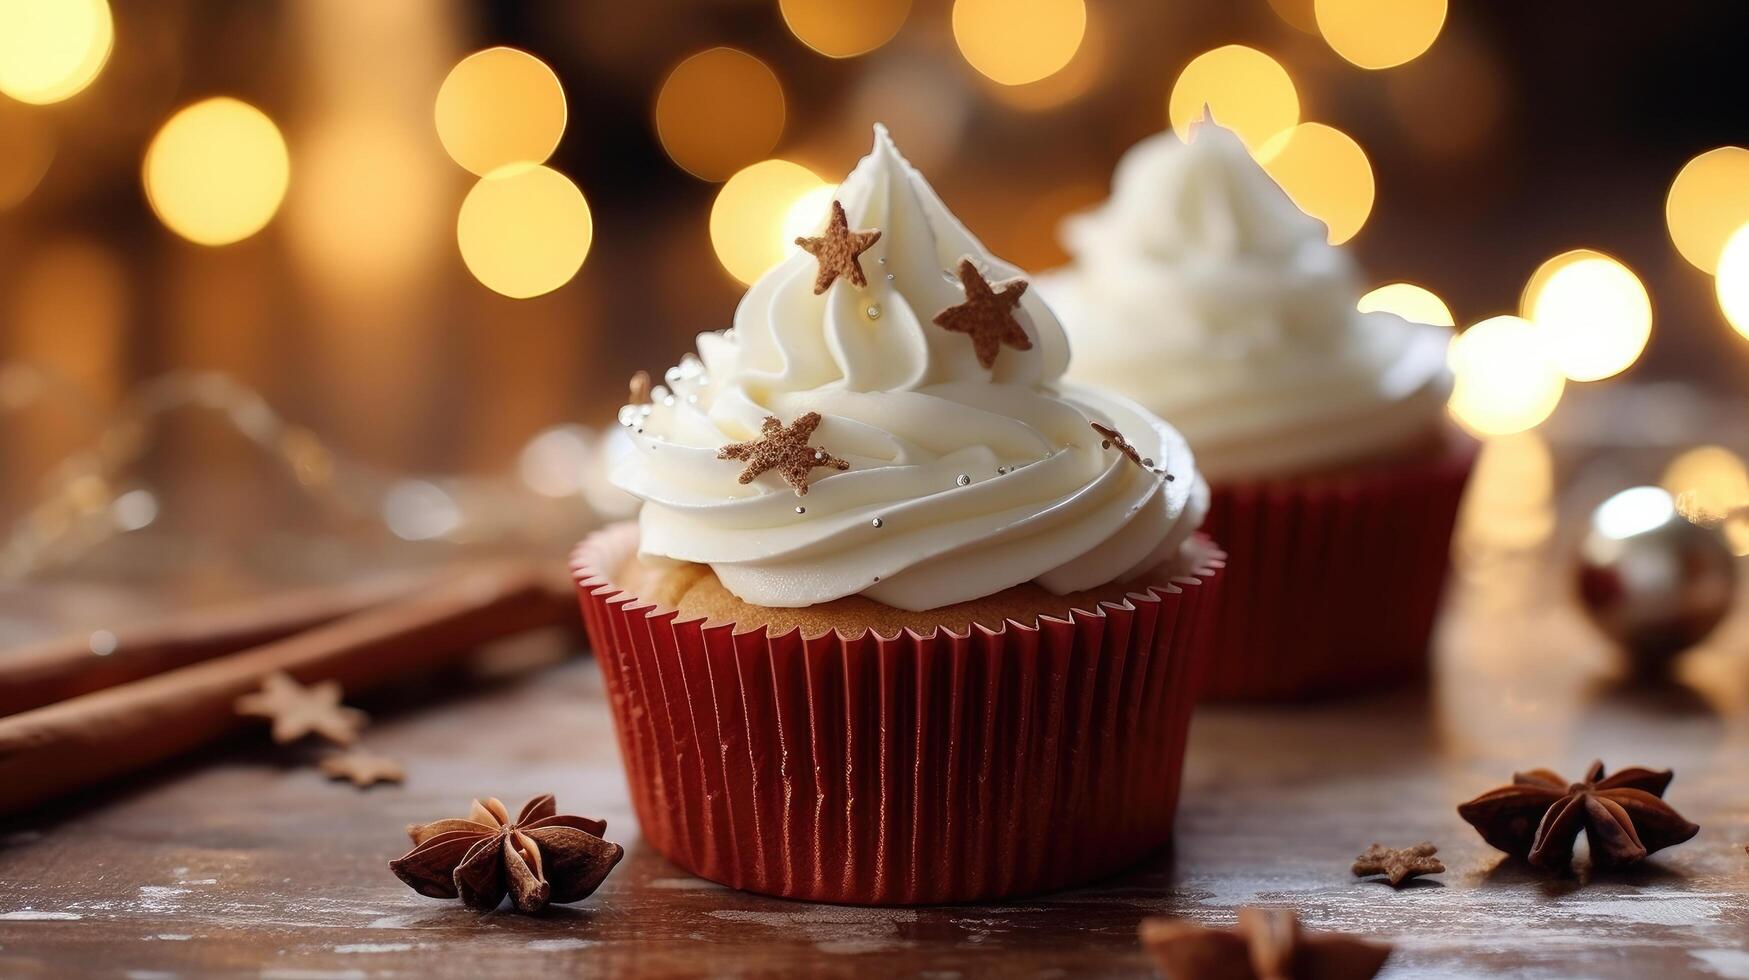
<point>1148,463</point>
<point>877,522</point>
<point>801,510</point>
<point>963,480</point>
<point>873,311</point>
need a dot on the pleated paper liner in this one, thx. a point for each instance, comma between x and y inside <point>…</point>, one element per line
<point>920,769</point>
<point>1335,580</point>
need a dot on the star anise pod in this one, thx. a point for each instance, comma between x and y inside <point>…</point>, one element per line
<point>1539,816</point>
<point>540,857</point>
<point>1265,944</point>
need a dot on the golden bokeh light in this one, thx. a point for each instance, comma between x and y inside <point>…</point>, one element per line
<point>719,111</point>
<point>1506,380</point>
<point>27,147</point>
<point>1417,304</point>
<point>1014,42</point>
<point>1710,483</point>
<point>500,107</point>
<point>1593,312</point>
<point>1326,173</point>
<point>838,29</point>
<point>1379,33</point>
<point>1072,81</point>
<point>360,215</point>
<point>1245,90</point>
<point>1708,200</point>
<point>216,172</point>
<point>524,230</point>
<point>1297,14</point>
<point>758,212</point>
<point>1509,504</point>
<point>1732,285</point>
<point>52,49</point>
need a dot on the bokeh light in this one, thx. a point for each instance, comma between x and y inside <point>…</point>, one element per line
<point>1326,173</point>
<point>524,230</point>
<point>757,214</point>
<point>1709,199</point>
<point>1379,33</point>
<point>719,111</point>
<point>360,214</point>
<point>1072,81</point>
<point>1732,285</point>
<point>1709,483</point>
<point>838,29</point>
<point>1592,311</point>
<point>1509,504</point>
<point>51,49</point>
<point>1245,90</point>
<point>500,107</point>
<point>216,172</point>
<point>1297,14</point>
<point>27,147</point>
<point>1506,380</point>
<point>1014,42</point>
<point>1417,304</point>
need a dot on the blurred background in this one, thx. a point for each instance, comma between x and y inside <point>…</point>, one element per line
<point>292,288</point>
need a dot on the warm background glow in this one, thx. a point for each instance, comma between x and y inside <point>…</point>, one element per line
<point>1018,41</point>
<point>1246,90</point>
<point>1708,200</point>
<point>840,29</point>
<point>1379,33</point>
<point>217,171</point>
<point>51,49</point>
<point>719,111</point>
<point>751,225</point>
<point>1326,173</point>
<point>1417,304</point>
<point>524,231</point>
<point>1506,380</point>
<point>1732,285</point>
<point>1593,312</point>
<point>499,107</point>
<point>27,147</point>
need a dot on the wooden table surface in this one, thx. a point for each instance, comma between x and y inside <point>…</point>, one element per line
<point>244,862</point>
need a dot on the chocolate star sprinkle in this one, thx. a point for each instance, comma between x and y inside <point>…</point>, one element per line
<point>363,768</point>
<point>784,449</point>
<point>539,857</point>
<point>1265,944</point>
<point>836,251</point>
<point>1112,437</point>
<point>296,710</point>
<point>1398,864</point>
<point>1539,816</point>
<point>987,314</point>
<point>638,390</point>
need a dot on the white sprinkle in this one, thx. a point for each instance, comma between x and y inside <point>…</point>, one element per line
<point>103,643</point>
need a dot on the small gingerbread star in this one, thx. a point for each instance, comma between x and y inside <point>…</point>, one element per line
<point>638,390</point>
<point>1110,437</point>
<point>1265,944</point>
<point>836,251</point>
<point>784,449</point>
<point>987,314</point>
<point>363,768</point>
<point>1398,864</point>
<point>296,710</point>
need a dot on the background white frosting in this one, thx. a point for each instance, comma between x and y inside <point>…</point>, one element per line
<point>1200,290</point>
<point>980,478</point>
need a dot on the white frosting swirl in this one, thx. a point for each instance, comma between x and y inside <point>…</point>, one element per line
<point>1200,290</point>
<point>963,480</point>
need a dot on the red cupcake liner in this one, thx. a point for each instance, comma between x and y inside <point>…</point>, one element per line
<point>920,769</point>
<point>1335,580</point>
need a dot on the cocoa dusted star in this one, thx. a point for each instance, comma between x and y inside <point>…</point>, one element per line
<point>1539,816</point>
<point>363,769</point>
<point>784,449</point>
<point>541,856</point>
<point>1265,944</point>
<point>987,315</point>
<point>297,711</point>
<point>836,251</point>
<point>1398,864</point>
<point>1110,438</point>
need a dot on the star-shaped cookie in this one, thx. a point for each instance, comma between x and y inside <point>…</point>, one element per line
<point>363,768</point>
<point>987,315</point>
<point>784,449</point>
<point>1398,864</point>
<point>836,251</point>
<point>297,711</point>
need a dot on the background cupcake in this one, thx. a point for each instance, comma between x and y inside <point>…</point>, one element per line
<point>899,606</point>
<point>1200,290</point>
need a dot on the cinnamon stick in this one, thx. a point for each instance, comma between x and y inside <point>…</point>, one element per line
<point>69,666</point>
<point>75,743</point>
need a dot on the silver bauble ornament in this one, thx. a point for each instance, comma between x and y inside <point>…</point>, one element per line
<point>1652,580</point>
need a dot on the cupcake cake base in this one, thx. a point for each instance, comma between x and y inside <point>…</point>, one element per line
<point>920,767</point>
<point>1336,579</point>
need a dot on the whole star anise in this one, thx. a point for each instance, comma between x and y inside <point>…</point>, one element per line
<point>1265,944</point>
<point>540,857</point>
<point>1539,816</point>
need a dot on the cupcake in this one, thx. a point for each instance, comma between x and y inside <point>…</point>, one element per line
<point>1203,293</point>
<point>904,617</point>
